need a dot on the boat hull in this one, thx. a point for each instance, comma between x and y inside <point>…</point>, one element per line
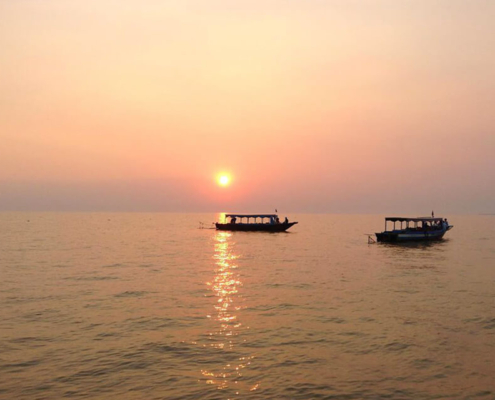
<point>255,227</point>
<point>410,236</point>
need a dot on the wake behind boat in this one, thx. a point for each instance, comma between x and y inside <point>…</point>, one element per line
<point>421,228</point>
<point>254,222</point>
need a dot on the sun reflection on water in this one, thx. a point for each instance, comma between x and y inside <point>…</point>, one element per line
<point>226,336</point>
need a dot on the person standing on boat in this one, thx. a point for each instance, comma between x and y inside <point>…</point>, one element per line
<point>286,220</point>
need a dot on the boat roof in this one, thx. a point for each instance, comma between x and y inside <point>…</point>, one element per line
<point>251,215</point>
<point>416,219</point>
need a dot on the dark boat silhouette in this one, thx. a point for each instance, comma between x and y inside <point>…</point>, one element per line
<point>423,228</point>
<point>254,223</point>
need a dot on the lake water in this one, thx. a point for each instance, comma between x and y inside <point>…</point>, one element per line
<point>148,306</point>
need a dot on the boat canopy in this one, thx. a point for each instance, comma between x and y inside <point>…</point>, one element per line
<point>251,215</point>
<point>417,219</point>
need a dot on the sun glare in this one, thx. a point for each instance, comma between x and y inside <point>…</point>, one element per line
<point>223,180</point>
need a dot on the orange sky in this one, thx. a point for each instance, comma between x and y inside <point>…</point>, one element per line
<point>312,106</point>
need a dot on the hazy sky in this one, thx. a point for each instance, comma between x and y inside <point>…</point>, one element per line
<point>353,106</point>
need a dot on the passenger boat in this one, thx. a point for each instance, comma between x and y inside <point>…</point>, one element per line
<point>254,222</point>
<point>413,229</point>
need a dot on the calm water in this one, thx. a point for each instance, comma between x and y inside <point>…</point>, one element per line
<point>147,306</point>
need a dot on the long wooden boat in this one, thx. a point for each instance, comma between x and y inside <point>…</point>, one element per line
<point>254,223</point>
<point>414,229</point>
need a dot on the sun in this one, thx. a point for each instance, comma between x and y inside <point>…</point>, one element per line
<point>223,180</point>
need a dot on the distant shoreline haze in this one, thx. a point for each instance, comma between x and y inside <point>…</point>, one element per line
<point>178,197</point>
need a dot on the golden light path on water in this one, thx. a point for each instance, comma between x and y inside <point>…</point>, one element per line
<point>225,337</point>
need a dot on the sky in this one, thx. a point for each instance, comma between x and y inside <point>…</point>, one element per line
<point>310,106</point>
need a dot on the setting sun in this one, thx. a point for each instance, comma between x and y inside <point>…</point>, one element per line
<point>223,180</point>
